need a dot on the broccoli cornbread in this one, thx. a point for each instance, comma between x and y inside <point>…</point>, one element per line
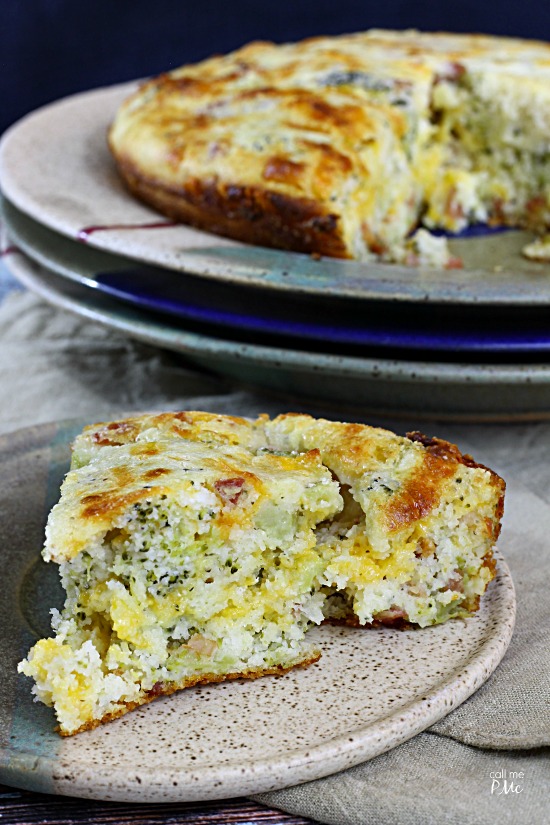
<point>196,547</point>
<point>345,145</point>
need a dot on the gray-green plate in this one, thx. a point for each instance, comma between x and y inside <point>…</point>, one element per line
<point>371,690</point>
<point>55,167</point>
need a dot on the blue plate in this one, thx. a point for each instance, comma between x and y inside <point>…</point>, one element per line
<point>329,323</point>
<point>358,385</point>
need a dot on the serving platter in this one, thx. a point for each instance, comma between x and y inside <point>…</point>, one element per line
<point>268,317</point>
<point>55,167</point>
<point>415,389</point>
<point>371,690</point>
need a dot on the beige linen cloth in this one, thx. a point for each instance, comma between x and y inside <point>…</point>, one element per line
<point>54,365</point>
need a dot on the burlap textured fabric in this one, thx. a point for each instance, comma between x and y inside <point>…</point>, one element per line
<point>54,366</point>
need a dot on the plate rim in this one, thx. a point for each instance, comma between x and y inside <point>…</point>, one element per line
<point>71,264</point>
<point>197,345</point>
<point>249,776</point>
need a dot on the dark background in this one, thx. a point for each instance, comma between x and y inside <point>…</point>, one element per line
<point>52,48</point>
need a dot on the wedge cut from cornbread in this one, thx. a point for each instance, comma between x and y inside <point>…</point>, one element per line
<point>196,547</point>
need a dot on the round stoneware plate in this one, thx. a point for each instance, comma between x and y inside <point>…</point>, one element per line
<point>371,690</point>
<point>234,310</point>
<point>55,166</point>
<point>378,386</point>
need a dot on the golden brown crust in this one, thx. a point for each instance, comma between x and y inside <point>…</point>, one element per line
<point>251,214</point>
<point>352,621</point>
<point>447,452</point>
<point>420,493</point>
<point>202,679</point>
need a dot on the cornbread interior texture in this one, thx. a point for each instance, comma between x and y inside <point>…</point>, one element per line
<point>346,145</point>
<point>196,547</point>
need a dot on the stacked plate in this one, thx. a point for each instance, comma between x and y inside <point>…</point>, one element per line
<point>462,344</point>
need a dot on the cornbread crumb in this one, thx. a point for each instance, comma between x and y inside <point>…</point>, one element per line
<point>539,249</point>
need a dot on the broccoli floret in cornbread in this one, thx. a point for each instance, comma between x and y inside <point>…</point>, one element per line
<point>195,547</point>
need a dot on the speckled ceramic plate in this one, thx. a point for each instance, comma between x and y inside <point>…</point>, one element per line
<point>376,385</point>
<point>55,166</point>
<point>269,317</point>
<point>371,690</point>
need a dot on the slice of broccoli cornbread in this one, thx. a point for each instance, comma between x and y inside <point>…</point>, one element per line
<point>196,547</point>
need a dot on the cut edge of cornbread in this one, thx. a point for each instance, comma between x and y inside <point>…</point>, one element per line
<point>204,679</point>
